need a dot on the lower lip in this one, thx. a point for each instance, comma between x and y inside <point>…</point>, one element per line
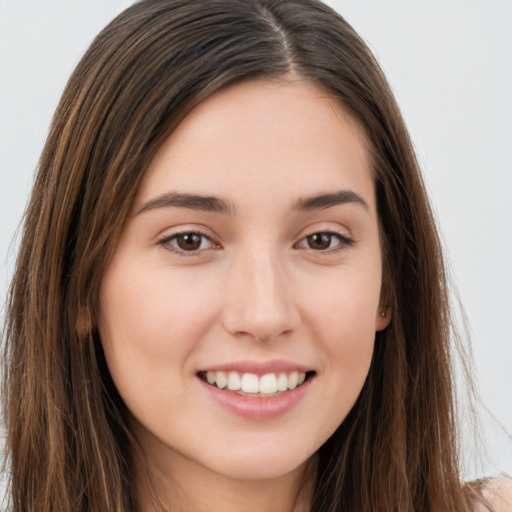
<point>255,407</point>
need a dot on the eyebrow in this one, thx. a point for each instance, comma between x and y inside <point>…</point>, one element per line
<point>217,205</point>
<point>323,201</point>
<point>190,201</point>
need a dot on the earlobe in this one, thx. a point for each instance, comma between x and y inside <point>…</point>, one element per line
<point>383,318</point>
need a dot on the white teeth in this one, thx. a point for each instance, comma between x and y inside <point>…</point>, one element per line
<point>221,379</point>
<point>234,383</point>
<point>267,384</point>
<point>293,380</point>
<point>282,382</point>
<point>250,383</point>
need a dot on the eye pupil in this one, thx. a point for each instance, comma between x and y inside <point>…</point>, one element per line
<point>189,241</point>
<point>319,241</point>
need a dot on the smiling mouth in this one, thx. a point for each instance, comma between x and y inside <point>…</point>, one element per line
<point>257,386</point>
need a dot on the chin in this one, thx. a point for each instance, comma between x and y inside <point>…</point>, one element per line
<point>260,463</point>
<point>260,470</point>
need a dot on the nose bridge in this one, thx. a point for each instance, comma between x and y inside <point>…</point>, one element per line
<point>260,302</point>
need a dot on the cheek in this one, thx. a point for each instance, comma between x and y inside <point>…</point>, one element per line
<point>149,324</point>
<point>150,303</point>
<point>342,316</point>
<point>344,306</point>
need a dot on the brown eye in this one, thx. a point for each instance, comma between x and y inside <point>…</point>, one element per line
<point>328,242</point>
<point>320,241</point>
<point>189,241</point>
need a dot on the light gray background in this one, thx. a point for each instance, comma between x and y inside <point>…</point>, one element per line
<point>449,63</point>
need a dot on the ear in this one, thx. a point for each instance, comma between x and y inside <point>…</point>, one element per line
<point>83,323</point>
<point>383,317</point>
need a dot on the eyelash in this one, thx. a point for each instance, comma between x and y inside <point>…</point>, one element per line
<point>166,243</point>
<point>344,242</point>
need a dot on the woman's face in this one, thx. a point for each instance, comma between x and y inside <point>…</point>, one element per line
<point>251,258</point>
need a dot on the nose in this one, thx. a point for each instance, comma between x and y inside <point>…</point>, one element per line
<point>260,301</point>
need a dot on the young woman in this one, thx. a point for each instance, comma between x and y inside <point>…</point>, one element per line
<point>230,292</point>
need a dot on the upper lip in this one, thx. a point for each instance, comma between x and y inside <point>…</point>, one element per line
<point>258,367</point>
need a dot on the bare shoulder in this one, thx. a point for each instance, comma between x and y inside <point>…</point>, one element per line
<point>498,493</point>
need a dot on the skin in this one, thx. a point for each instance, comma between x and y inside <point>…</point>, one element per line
<point>255,289</point>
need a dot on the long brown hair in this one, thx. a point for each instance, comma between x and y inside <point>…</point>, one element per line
<point>68,444</point>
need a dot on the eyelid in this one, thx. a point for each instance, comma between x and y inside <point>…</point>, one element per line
<point>164,242</point>
<point>345,241</point>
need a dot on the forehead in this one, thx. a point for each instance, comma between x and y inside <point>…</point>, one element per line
<point>281,139</point>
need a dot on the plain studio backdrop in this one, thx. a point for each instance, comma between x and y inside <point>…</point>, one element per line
<point>450,66</point>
